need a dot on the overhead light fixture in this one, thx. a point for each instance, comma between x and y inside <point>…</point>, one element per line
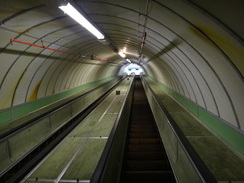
<point>121,54</point>
<point>128,60</point>
<point>73,13</point>
<point>124,50</point>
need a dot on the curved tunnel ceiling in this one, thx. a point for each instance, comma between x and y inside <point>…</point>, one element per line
<point>193,47</point>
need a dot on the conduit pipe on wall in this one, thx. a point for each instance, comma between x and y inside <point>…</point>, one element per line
<point>142,43</point>
<point>44,47</point>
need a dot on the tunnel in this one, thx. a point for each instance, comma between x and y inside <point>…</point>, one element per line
<point>190,51</point>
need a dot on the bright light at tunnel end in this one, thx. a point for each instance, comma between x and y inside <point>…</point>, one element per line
<point>134,69</point>
<point>73,13</point>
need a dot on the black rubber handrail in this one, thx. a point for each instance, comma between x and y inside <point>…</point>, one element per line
<point>199,165</point>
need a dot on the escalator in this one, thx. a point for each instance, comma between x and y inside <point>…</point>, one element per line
<point>145,159</point>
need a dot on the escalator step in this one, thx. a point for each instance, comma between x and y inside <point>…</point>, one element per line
<point>143,135</point>
<point>143,121</point>
<point>137,130</point>
<point>144,140</point>
<point>141,118</point>
<point>143,125</point>
<point>147,165</point>
<point>144,147</point>
<point>148,177</point>
<point>146,156</point>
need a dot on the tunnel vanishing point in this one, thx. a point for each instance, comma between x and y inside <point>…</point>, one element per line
<point>191,50</point>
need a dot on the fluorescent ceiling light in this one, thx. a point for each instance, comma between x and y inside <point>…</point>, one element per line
<point>121,54</point>
<point>73,13</point>
<point>128,60</point>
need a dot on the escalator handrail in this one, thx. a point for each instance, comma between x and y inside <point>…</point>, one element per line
<point>199,166</point>
<point>34,120</point>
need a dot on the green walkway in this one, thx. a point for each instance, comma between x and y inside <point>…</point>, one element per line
<point>222,162</point>
<point>76,157</point>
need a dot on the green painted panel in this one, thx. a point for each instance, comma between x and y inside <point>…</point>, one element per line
<point>29,107</point>
<point>228,133</point>
<point>5,116</point>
